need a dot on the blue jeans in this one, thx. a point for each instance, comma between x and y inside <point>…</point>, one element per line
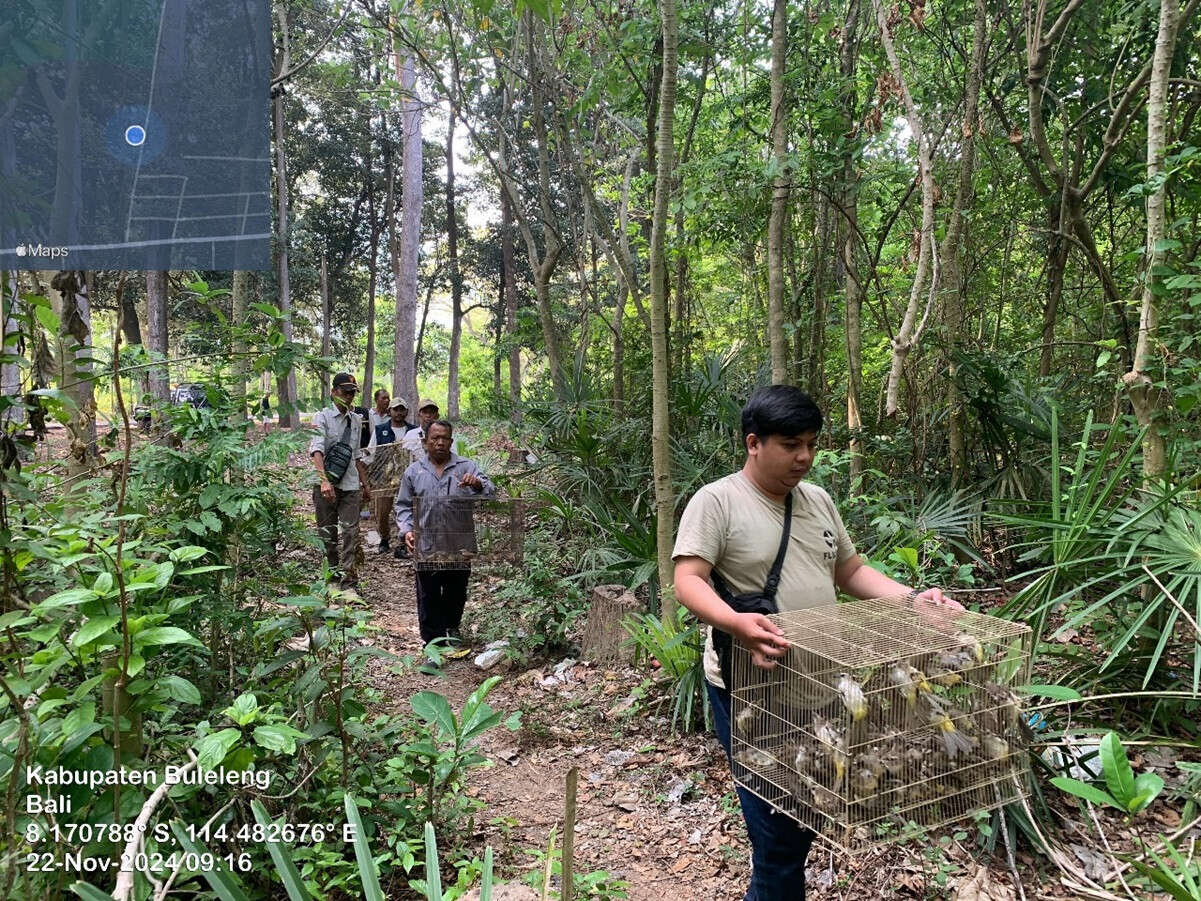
<point>779,844</point>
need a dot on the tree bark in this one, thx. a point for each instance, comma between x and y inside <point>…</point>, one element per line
<point>510,291</point>
<point>157,334</point>
<point>405,260</point>
<point>1149,400</point>
<point>953,287</point>
<point>456,277</point>
<point>286,383</point>
<point>325,326</point>
<point>779,197</point>
<point>1057,261</point>
<point>69,296</point>
<point>239,300</point>
<point>660,417</point>
<point>372,276</point>
<point>848,227</point>
<point>911,328</point>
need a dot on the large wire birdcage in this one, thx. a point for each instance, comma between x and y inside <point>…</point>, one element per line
<point>884,720</point>
<point>387,467</point>
<point>461,530</point>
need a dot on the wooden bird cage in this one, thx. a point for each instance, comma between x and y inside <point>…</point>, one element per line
<point>462,530</point>
<point>883,721</point>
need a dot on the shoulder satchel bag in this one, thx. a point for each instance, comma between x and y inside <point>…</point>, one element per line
<point>755,602</point>
<point>338,457</point>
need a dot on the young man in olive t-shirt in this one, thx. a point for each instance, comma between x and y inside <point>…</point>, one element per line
<point>733,526</point>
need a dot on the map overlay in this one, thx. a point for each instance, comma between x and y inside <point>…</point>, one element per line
<point>135,134</point>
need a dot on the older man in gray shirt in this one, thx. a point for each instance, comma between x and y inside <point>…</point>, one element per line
<point>446,485</point>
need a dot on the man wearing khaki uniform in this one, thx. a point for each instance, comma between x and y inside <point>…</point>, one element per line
<point>338,504</point>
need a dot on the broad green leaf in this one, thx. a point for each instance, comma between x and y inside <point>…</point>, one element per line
<point>83,715</point>
<point>1146,789</point>
<point>67,598</point>
<point>180,689</point>
<point>434,708</point>
<point>1055,692</point>
<point>103,583</point>
<point>187,553</point>
<point>433,874</point>
<point>244,710</point>
<point>278,737</point>
<point>1119,778</point>
<point>93,629</point>
<point>1084,790</point>
<point>1165,881</point>
<point>89,892</point>
<point>211,749</point>
<point>368,873</point>
<point>164,635</point>
<point>47,318</point>
<point>281,854</point>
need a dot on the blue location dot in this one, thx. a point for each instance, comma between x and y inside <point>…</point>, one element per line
<point>135,136</point>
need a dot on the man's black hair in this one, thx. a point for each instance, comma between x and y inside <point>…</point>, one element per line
<point>378,392</point>
<point>780,410</point>
<point>442,422</point>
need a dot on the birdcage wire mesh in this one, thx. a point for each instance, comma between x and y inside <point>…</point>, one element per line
<point>460,530</point>
<point>884,720</point>
<point>387,467</point>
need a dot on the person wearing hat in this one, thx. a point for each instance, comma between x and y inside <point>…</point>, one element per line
<point>390,431</point>
<point>340,461</point>
<point>427,414</point>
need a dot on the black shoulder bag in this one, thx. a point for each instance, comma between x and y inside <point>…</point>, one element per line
<point>755,602</point>
<point>337,458</point>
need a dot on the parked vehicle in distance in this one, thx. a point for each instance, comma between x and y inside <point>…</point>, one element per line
<point>196,394</point>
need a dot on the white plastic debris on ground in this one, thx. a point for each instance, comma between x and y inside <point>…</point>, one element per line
<point>494,653</point>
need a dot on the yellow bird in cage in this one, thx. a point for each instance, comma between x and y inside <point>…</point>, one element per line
<point>835,745</point>
<point>954,740</point>
<point>853,697</point>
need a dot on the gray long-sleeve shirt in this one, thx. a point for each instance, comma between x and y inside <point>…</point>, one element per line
<point>446,521</point>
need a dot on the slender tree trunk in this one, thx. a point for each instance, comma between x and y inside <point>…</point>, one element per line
<point>10,372</point>
<point>325,326</point>
<point>815,374</point>
<point>848,225</point>
<point>1148,399</point>
<point>285,390</point>
<point>1057,261</point>
<point>954,289</point>
<point>372,271</point>
<point>239,301</point>
<point>69,296</point>
<point>405,260</point>
<point>131,331</point>
<point>456,277</point>
<point>660,417</point>
<point>157,334</point>
<point>779,197</point>
<point>911,328</point>
<point>510,291</point>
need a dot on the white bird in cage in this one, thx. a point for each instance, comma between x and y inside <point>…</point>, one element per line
<point>994,747</point>
<point>909,679</point>
<point>802,758</point>
<point>971,644</point>
<point>824,800</point>
<point>744,721</point>
<point>756,758</point>
<point>853,697</point>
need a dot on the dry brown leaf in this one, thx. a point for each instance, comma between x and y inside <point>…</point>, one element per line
<point>981,887</point>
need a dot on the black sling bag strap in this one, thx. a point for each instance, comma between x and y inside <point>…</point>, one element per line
<point>756,602</point>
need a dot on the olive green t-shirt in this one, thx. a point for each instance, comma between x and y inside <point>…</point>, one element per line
<point>737,528</point>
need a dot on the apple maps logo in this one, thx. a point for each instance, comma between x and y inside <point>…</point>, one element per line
<point>40,250</point>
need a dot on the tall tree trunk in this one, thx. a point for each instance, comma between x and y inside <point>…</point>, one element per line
<point>239,301</point>
<point>372,271</point>
<point>406,259</point>
<point>69,296</point>
<point>1057,261</point>
<point>954,292</point>
<point>510,291</point>
<point>285,383</point>
<point>848,227</point>
<point>325,327</point>
<point>1149,400</point>
<point>157,334</point>
<point>815,371</point>
<point>131,331</point>
<point>456,277</point>
<point>660,417</point>
<point>10,373</point>
<point>911,328</point>
<point>779,197</point>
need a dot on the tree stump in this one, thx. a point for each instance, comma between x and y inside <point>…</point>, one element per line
<point>604,638</point>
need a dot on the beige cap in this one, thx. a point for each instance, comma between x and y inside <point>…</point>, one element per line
<point>427,403</point>
<point>397,403</point>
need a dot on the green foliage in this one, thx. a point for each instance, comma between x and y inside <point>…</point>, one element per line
<point>678,645</point>
<point>1126,793</point>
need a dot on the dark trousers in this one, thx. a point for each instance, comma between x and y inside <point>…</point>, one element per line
<point>441,597</point>
<point>779,844</point>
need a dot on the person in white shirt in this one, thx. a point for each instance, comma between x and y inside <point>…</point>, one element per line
<point>379,413</point>
<point>414,439</point>
<point>338,498</point>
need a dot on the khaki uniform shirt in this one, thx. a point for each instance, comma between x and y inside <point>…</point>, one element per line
<point>330,426</point>
<point>737,528</point>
